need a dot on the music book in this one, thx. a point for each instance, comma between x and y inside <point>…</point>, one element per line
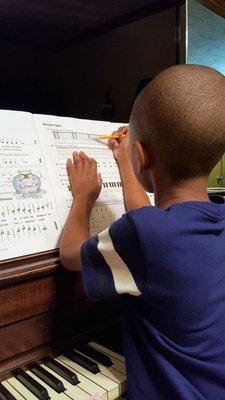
<point>35,196</point>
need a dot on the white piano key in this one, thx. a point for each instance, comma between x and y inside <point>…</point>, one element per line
<point>101,380</point>
<point>116,364</point>
<point>85,384</point>
<point>74,391</point>
<point>12,390</point>
<point>22,389</point>
<point>52,393</point>
<point>111,373</point>
<point>107,351</point>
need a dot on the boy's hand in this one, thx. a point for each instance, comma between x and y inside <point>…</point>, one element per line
<point>85,182</point>
<point>120,147</point>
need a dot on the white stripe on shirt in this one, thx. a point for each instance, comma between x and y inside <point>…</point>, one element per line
<point>123,279</point>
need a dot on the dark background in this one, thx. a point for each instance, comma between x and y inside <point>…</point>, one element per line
<point>83,58</point>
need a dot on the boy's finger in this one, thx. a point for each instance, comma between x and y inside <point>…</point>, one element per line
<point>93,164</point>
<point>70,167</point>
<point>110,143</point>
<point>99,177</point>
<point>78,162</point>
<point>70,170</point>
<point>113,144</point>
<point>69,164</point>
<point>75,157</point>
<point>85,160</point>
<point>122,130</point>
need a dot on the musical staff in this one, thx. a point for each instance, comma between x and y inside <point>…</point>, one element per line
<point>68,138</point>
<point>23,230</point>
<point>111,188</point>
<point>65,137</point>
<point>30,208</point>
<point>29,220</point>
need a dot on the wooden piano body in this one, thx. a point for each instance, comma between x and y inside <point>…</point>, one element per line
<point>43,309</point>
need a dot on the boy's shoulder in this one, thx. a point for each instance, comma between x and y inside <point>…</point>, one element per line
<point>178,216</point>
<point>184,208</point>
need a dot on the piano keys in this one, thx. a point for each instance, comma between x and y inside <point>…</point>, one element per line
<point>48,378</point>
<point>63,378</point>
<point>44,311</point>
<point>85,362</point>
<point>64,372</point>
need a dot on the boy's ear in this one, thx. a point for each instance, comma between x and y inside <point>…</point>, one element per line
<point>143,159</point>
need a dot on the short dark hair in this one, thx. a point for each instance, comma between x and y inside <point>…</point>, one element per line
<point>181,114</point>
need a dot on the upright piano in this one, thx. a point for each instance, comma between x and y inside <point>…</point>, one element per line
<point>54,343</point>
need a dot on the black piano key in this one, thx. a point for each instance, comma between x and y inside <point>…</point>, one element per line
<point>5,394</point>
<point>46,377</point>
<point>61,370</point>
<point>96,355</point>
<point>35,387</point>
<point>83,361</point>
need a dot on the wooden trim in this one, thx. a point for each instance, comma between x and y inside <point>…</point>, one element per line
<point>35,296</point>
<point>217,6</point>
<point>53,350</point>
<point>51,328</point>
<point>28,267</point>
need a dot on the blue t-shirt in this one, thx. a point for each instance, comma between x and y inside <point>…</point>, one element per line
<point>170,266</point>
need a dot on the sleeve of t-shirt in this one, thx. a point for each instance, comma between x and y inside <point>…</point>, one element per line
<point>113,262</point>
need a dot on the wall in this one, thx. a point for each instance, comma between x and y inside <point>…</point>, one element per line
<point>26,80</point>
<point>206,46</point>
<point>206,37</point>
<point>115,61</point>
<point>73,82</point>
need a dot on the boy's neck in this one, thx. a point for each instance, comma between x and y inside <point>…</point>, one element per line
<point>170,192</point>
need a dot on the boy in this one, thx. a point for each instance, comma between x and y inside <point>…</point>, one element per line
<point>169,260</point>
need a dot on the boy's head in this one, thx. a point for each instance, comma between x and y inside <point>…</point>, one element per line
<point>177,124</point>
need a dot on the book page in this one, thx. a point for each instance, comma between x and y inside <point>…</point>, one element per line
<point>60,137</point>
<point>29,221</point>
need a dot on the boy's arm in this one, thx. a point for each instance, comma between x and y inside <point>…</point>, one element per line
<point>110,261</point>
<point>85,184</point>
<point>134,193</point>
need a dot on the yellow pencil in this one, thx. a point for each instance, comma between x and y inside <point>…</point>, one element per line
<point>110,137</point>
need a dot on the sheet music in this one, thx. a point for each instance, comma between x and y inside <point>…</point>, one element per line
<point>62,136</point>
<point>29,221</point>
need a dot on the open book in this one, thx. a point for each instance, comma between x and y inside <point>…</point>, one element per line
<point>35,196</point>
